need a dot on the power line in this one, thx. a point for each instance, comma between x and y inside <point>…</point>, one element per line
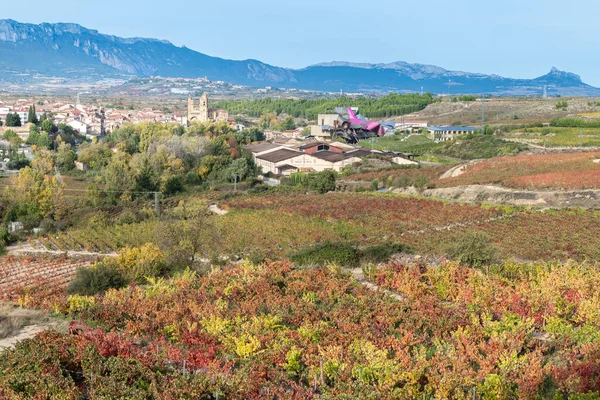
<point>155,194</point>
<point>87,190</point>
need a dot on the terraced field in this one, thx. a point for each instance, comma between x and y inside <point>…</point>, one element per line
<point>47,274</point>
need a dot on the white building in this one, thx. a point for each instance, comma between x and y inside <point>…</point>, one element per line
<point>446,133</point>
<point>79,126</point>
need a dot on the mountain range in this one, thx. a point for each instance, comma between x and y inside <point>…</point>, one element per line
<point>73,52</point>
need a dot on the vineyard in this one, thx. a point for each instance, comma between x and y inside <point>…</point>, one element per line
<point>574,171</point>
<point>273,226</point>
<point>390,214</point>
<point>276,331</point>
<point>43,274</point>
<point>279,223</point>
<point>559,136</point>
<point>104,240</point>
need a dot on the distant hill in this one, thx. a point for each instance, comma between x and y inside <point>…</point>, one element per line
<point>71,51</point>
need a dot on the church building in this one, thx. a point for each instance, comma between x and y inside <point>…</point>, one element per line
<point>198,110</point>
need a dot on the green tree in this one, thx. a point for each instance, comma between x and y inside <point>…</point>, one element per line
<point>117,175</point>
<point>13,119</point>
<point>47,125</point>
<point>95,154</point>
<point>9,135</point>
<point>239,168</point>
<point>34,136</point>
<point>321,182</point>
<point>32,116</point>
<point>287,124</point>
<point>65,157</point>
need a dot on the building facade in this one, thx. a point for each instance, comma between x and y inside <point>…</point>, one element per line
<point>198,110</point>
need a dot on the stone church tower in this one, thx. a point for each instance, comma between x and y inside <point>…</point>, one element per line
<point>198,110</point>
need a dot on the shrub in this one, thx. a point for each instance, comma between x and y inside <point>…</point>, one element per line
<point>382,252</point>
<point>474,249</point>
<point>341,254</point>
<point>321,182</point>
<point>172,185</point>
<point>374,185</point>
<point>97,279</point>
<point>4,239</point>
<point>137,264</point>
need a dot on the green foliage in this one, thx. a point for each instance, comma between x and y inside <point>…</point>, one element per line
<point>471,147</point>
<point>562,105</point>
<point>340,254</point>
<point>65,157</point>
<point>293,364</point>
<point>412,144</point>
<point>474,249</point>
<point>382,252</point>
<point>13,120</point>
<point>345,255</point>
<point>9,135</point>
<point>574,123</point>
<point>32,116</point>
<point>96,280</point>
<point>375,184</point>
<point>172,185</point>
<point>320,182</point>
<point>383,107</point>
<point>47,125</point>
<point>4,239</point>
<point>287,124</point>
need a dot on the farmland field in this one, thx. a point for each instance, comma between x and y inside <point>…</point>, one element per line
<point>43,274</point>
<point>574,171</point>
<point>558,136</point>
<point>411,144</point>
<point>274,329</point>
<point>274,226</point>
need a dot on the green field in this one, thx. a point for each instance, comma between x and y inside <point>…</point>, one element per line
<point>412,144</point>
<point>558,136</point>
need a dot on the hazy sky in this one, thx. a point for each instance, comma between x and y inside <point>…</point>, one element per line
<point>514,38</point>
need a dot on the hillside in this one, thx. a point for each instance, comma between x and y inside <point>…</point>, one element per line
<point>77,53</point>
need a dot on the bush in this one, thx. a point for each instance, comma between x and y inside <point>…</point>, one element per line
<point>321,182</point>
<point>138,264</point>
<point>173,184</point>
<point>380,253</point>
<point>341,254</point>
<point>374,185</point>
<point>95,280</point>
<point>475,249</point>
<point>4,239</point>
<point>259,188</point>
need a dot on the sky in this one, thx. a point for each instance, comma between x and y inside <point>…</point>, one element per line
<point>512,38</point>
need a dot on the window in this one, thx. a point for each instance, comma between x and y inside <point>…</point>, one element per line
<point>323,147</point>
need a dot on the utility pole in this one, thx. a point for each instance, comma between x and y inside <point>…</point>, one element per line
<point>235,182</point>
<point>156,208</point>
<point>483,114</point>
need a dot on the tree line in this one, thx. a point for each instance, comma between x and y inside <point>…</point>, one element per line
<point>380,107</point>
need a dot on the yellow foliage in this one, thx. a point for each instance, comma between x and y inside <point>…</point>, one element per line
<point>79,303</point>
<point>140,263</point>
<point>245,346</point>
<point>216,326</point>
